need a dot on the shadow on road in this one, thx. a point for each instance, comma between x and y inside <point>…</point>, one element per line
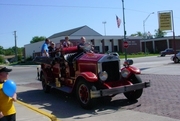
<point>66,106</point>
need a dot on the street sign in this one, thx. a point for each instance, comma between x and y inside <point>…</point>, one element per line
<point>165,21</point>
<point>125,44</point>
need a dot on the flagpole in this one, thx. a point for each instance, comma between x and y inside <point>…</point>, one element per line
<point>124,29</point>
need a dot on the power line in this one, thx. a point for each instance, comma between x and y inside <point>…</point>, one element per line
<point>6,33</point>
<point>61,6</point>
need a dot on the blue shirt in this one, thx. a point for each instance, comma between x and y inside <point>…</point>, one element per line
<point>44,47</point>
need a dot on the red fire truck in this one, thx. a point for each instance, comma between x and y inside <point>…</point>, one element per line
<point>90,76</point>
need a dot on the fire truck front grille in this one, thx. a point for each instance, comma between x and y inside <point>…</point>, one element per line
<point>112,68</point>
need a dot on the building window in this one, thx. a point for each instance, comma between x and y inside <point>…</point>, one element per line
<point>115,48</point>
<point>96,48</point>
<point>106,48</point>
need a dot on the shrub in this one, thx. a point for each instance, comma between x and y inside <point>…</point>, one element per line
<point>140,53</point>
<point>29,58</point>
<point>2,60</point>
<point>19,57</point>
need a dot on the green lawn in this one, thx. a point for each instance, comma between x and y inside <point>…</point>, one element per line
<point>137,55</point>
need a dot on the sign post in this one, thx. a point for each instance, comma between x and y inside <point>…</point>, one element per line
<point>124,29</point>
<point>125,44</point>
<point>166,23</point>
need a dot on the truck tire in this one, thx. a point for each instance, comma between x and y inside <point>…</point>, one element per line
<point>83,94</point>
<point>176,60</point>
<point>134,95</point>
<point>163,55</point>
<point>45,86</point>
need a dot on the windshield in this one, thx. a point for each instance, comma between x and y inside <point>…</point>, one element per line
<point>87,46</point>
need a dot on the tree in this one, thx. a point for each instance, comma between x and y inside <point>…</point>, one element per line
<point>1,50</point>
<point>37,39</point>
<point>9,51</point>
<point>159,33</point>
<point>1,59</point>
<point>137,34</point>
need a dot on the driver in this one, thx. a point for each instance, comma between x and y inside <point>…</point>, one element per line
<point>81,45</point>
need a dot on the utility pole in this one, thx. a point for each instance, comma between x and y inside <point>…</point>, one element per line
<point>15,46</point>
<point>104,22</point>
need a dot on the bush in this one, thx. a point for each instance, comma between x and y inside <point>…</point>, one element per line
<point>2,60</point>
<point>140,53</point>
<point>19,57</point>
<point>29,58</point>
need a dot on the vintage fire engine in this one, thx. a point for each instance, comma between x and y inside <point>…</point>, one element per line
<point>90,76</point>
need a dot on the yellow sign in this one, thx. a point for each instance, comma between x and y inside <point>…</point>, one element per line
<point>165,21</point>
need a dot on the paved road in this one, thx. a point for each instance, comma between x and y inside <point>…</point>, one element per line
<point>161,99</point>
<point>157,65</point>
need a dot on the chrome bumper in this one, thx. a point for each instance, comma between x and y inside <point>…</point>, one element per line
<point>117,90</point>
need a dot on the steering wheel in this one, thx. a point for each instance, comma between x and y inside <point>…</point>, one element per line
<point>87,47</point>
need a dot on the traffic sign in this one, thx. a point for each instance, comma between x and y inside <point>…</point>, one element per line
<point>125,44</point>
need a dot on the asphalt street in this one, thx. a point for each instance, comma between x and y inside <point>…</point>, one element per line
<point>159,102</point>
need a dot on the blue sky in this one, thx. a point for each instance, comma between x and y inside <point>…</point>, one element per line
<point>45,17</point>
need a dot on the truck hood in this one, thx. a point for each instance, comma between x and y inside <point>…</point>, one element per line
<point>94,57</point>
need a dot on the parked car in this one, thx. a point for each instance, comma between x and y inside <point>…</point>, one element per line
<point>167,51</point>
<point>6,61</point>
<point>176,58</point>
<point>90,76</point>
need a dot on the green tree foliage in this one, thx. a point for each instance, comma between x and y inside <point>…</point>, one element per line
<point>1,59</point>
<point>37,39</point>
<point>11,51</point>
<point>159,33</point>
<point>19,57</point>
<point>1,50</point>
<point>137,34</point>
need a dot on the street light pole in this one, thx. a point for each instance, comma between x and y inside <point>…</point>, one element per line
<point>124,28</point>
<point>145,35</point>
<point>104,22</point>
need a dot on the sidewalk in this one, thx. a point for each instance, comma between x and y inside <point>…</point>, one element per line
<point>26,112</point>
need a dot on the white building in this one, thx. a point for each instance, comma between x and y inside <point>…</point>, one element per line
<point>101,43</point>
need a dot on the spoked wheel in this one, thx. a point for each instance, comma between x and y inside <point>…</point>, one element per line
<point>83,94</point>
<point>46,87</point>
<point>135,94</point>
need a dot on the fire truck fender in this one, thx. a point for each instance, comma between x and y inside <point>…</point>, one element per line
<point>133,69</point>
<point>89,76</point>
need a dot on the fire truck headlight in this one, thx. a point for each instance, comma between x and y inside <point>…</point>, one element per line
<point>103,75</point>
<point>125,73</point>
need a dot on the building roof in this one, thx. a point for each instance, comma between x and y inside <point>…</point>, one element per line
<point>73,31</point>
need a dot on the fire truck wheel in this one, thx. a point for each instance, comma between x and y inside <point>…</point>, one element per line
<point>134,95</point>
<point>46,88</point>
<point>83,94</point>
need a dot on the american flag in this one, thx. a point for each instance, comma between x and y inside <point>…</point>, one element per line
<point>118,21</point>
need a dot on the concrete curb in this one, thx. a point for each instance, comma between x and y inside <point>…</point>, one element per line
<point>50,116</point>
